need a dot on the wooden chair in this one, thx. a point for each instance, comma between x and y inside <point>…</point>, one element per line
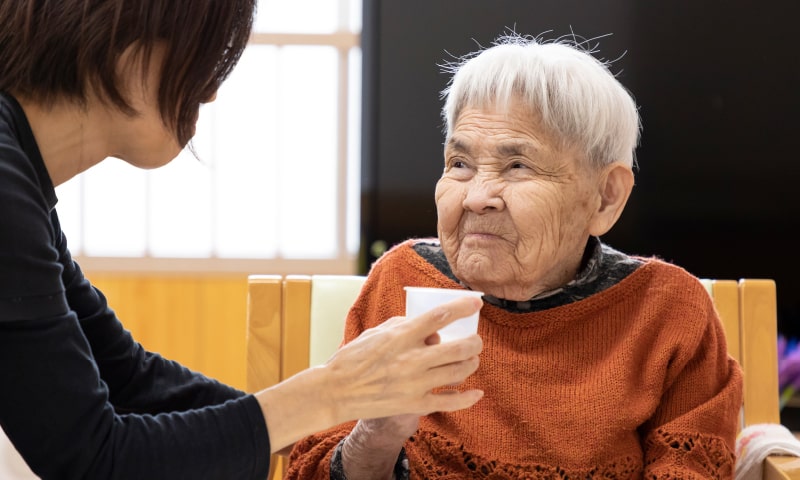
<point>749,313</point>
<point>315,308</point>
<point>293,323</point>
<point>290,318</point>
<point>263,341</point>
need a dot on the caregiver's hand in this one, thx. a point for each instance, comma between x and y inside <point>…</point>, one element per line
<point>388,370</point>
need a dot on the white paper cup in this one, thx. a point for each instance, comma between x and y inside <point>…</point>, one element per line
<point>422,299</point>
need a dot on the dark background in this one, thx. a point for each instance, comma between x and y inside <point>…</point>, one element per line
<point>717,83</point>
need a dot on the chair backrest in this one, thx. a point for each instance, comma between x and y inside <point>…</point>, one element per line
<point>264,329</point>
<point>748,309</point>
<point>331,298</point>
<point>314,312</point>
<point>294,322</point>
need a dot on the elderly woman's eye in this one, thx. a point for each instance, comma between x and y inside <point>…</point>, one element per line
<point>459,164</point>
<point>518,165</point>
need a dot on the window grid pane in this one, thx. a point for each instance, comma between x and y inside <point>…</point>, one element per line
<point>354,153</point>
<point>114,210</point>
<point>271,154</point>
<point>179,224</point>
<point>307,224</point>
<point>246,154</point>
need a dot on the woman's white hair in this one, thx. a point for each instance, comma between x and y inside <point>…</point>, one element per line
<point>574,94</point>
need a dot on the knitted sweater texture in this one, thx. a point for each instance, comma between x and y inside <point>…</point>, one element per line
<point>632,382</point>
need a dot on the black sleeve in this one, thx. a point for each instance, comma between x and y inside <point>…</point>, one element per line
<point>138,381</point>
<point>58,415</point>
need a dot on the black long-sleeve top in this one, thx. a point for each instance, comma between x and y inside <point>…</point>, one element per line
<point>79,397</point>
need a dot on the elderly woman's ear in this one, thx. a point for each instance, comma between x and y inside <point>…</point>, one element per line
<point>615,185</point>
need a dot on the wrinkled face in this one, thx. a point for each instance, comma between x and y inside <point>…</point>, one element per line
<point>514,212</point>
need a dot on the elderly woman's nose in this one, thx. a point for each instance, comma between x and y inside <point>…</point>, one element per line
<point>484,195</point>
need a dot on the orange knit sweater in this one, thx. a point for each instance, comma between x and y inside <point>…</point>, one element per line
<point>632,382</point>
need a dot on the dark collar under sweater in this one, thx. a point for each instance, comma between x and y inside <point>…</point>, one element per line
<point>601,268</point>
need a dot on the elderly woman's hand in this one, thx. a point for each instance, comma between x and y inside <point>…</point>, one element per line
<point>372,448</point>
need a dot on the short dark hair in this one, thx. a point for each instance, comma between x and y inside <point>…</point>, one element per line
<point>51,50</point>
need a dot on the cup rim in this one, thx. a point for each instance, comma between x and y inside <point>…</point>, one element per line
<point>474,293</point>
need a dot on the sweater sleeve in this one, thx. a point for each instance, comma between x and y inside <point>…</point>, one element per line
<point>311,457</point>
<point>692,432</point>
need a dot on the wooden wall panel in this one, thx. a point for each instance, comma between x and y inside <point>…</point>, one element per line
<point>197,320</point>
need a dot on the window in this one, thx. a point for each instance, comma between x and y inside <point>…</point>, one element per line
<point>275,186</point>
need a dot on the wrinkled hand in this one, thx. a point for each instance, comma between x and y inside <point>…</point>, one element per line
<point>372,448</point>
<point>392,369</point>
<point>394,427</point>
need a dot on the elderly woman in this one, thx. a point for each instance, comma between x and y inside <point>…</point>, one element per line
<point>83,81</point>
<point>595,363</point>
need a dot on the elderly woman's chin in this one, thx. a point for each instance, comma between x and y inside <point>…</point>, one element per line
<point>480,271</point>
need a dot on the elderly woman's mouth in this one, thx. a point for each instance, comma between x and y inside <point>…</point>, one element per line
<point>481,236</point>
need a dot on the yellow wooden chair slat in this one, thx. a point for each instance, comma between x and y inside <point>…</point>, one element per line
<point>759,350</point>
<point>263,341</point>
<point>296,323</point>
<point>748,310</point>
